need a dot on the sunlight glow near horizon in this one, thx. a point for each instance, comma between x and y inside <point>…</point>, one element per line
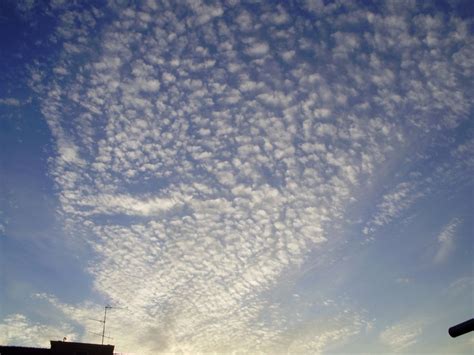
<point>237,176</point>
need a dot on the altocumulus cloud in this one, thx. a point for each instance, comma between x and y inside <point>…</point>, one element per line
<point>228,139</point>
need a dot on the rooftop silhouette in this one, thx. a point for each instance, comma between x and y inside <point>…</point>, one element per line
<point>60,348</point>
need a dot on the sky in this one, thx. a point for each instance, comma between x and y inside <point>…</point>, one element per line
<point>237,177</point>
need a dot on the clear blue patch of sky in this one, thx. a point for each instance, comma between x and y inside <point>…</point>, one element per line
<point>29,208</point>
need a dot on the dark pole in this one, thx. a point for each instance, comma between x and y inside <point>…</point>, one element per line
<point>105,318</point>
<point>462,328</point>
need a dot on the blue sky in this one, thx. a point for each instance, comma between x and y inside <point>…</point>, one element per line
<point>237,176</point>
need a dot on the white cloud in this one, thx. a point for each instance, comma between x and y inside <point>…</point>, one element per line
<point>244,21</point>
<point>257,49</point>
<point>278,17</point>
<point>402,335</point>
<point>204,12</point>
<point>17,329</point>
<point>68,152</point>
<point>345,44</point>
<point>446,240</point>
<point>393,204</point>
<point>149,85</point>
<point>129,205</point>
<point>288,55</point>
<point>403,280</point>
<point>322,112</point>
<point>10,101</point>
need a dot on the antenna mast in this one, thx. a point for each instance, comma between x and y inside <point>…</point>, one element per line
<point>105,318</point>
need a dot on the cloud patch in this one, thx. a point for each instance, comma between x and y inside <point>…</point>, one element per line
<point>446,241</point>
<point>402,335</point>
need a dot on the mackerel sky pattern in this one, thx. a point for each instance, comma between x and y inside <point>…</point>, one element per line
<point>240,176</point>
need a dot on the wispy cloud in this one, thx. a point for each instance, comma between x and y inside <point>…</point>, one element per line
<point>461,285</point>
<point>393,204</point>
<point>10,101</point>
<point>446,240</point>
<point>402,335</point>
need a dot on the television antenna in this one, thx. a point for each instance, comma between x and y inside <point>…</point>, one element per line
<point>105,318</point>
<point>103,321</point>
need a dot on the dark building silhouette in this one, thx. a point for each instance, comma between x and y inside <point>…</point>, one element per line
<point>20,350</point>
<point>60,348</point>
